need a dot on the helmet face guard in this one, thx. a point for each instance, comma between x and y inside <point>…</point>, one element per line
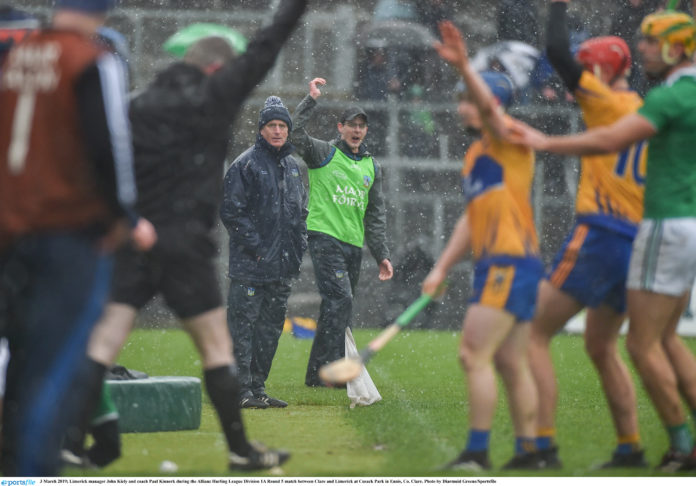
<point>671,28</point>
<point>602,54</point>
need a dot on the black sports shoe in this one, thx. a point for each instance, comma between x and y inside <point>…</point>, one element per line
<point>550,458</point>
<point>272,402</point>
<point>259,458</point>
<point>469,461</point>
<point>673,461</point>
<point>252,402</point>
<point>632,459</point>
<point>690,463</point>
<point>527,460</point>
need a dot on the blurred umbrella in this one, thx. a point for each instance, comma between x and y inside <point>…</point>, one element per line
<point>389,33</point>
<point>179,43</point>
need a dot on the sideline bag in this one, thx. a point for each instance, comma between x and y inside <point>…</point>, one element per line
<point>362,390</point>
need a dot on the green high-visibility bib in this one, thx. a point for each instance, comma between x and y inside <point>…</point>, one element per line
<point>338,196</point>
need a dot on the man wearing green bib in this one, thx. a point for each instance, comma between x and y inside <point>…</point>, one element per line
<point>662,269</point>
<point>346,209</point>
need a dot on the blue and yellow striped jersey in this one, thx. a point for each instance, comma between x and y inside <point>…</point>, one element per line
<point>496,181</point>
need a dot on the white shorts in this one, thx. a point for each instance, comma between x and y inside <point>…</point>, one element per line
<point>664,256</point>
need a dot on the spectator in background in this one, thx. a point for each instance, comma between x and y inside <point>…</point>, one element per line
<point>398,48</point>
<point>419,132</point>
<point>395,10</point>
<point>432,12</point>
<point>517,20</point>
<point>377,77</point>
<point>264,209</point>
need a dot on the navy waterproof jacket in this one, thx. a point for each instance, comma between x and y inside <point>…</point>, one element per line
<point>264,210</point>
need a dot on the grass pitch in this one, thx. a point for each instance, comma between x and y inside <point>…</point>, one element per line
<point>420,424</point>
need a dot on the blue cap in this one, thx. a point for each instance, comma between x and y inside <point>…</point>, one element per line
<point>499,83</point>
<point>88,6</point>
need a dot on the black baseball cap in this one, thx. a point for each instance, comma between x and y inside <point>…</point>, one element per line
<point>352,112</point>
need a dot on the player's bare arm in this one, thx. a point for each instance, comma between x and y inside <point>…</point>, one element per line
<point>453,50</point>
<point>457,248</point>
<point>611,138</point>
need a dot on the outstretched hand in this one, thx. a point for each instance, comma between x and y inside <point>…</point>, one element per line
<point>452,49</point>
<point>523,134</point>
<point>313,89</point>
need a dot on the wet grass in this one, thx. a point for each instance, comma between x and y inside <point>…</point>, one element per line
<point>420,424</point>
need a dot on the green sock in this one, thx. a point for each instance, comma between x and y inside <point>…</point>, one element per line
<point>680,438</point>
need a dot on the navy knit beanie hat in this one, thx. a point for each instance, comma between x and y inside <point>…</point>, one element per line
<point>89,6</point>
<point>274,109</point>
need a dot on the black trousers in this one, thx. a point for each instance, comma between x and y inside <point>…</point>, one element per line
<point>337,270</point>
<point>255,317</point>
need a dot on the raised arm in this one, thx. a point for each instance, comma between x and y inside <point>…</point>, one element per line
<point>558,45</point>
<point>312,150</point>
<point>453,50</point>
<point>233,82</point>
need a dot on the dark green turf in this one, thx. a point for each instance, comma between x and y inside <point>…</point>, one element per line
<point>420,424</point>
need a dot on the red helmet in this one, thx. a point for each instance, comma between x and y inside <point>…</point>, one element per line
<point>609,51</point>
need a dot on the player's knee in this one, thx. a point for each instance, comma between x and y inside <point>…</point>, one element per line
<point>635,348</point>
<point>469,359</point>
<point>538,335</point>
<point>507,364</point>
<point>599,352</point>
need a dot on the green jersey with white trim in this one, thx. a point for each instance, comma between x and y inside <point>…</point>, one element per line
<point>670,187</point>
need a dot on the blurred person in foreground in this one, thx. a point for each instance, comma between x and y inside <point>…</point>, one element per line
<point>589,271</point>
<point>67,196</point>
<point>498,227</point>
<point>662,267</point>
<point>264,209</point>
<point>181,124</point>
<point>346,210</point>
